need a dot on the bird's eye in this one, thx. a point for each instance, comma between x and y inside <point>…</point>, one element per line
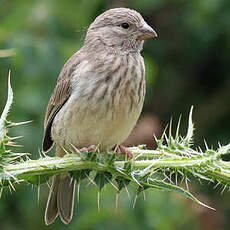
<point>125,25</point>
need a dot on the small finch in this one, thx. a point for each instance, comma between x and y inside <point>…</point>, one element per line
<point>98,97</point>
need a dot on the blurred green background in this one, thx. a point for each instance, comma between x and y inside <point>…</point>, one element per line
<point>188,64</point>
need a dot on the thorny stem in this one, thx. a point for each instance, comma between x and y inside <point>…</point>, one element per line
<point>210,166</point>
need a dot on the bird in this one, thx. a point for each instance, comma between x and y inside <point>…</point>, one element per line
<point>98,97</point>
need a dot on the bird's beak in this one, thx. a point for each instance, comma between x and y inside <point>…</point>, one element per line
<point>146,32</point>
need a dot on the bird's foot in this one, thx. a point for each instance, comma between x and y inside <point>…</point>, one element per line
<point>88,149</point>
<point>121,149</point>
<point>83,152</point>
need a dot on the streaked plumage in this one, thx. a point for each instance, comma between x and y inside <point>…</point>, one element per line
<point>98,96</point>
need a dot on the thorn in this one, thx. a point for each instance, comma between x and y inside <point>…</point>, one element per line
<point>189,135</point>
<point>170,176</point>
<point>127,191</point>
<point>98,201</point>
<point>9,74</point>
<point>164,132</point>
<point>112,183</point>
<point>134,202</point>
<point>13,124</point>
<point>39,186</point>
<point>120,171</point>
<point>137,156</point>
<point>144,197</point>
<point>169,179</point>
<point>182,179</point>
<point>49,186</point>
<point>90,181</point>
<point>186,182</point>
<point>204,205</point>
<point>75,151</point>
<point>216,185</point>
<point>13,144</point>
<point>136,180</point>
<point>178,127</point>
<point>11,185</point>
<point>39,152</point>
<point>78,192</point>
<point>170,128</point>
<point>12,176</point>
<point>200,150</point>
<point>116,202</point>
<point>225,186</point>
<point>116,148</point>
<point>219,144</point>
<point>176,177</point>
<point>206,145</point>
<point>66,152</point>
<point>15,138</point>
<point>155,138</point>
<point>10,189</point>
<point>97,148</point>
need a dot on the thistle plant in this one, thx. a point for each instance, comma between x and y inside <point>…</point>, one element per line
<point>175,157</point>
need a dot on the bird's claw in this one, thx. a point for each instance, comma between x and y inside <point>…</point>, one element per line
<point>88,149</point>
<point>121,149</point>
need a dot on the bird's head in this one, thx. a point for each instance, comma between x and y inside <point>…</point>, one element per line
<point>120,29</point>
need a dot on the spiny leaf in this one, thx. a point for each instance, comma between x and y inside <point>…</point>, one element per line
<point>170,137</point>
<point>80,174</point>
<point>38,180</point>
<point>111,159</point>
<point>6,109</point>
<point>170,187</point>
<point>122,182</point>
<point>178,129</point>
<point>102,178</point>
<point>142,188</point>
<point>128,166</point>
<point>189,136</point>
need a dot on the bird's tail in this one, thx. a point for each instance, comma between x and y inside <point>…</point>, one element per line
<point>61,199</point>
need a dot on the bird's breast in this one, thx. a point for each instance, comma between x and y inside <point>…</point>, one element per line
<point>103,109</point>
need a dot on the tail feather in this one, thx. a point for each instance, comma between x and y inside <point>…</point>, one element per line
<point>65,199</point>
<point>61,199</point>
<point>51,212</point>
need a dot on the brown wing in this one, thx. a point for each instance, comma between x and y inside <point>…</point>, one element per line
<point>59,97</point>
